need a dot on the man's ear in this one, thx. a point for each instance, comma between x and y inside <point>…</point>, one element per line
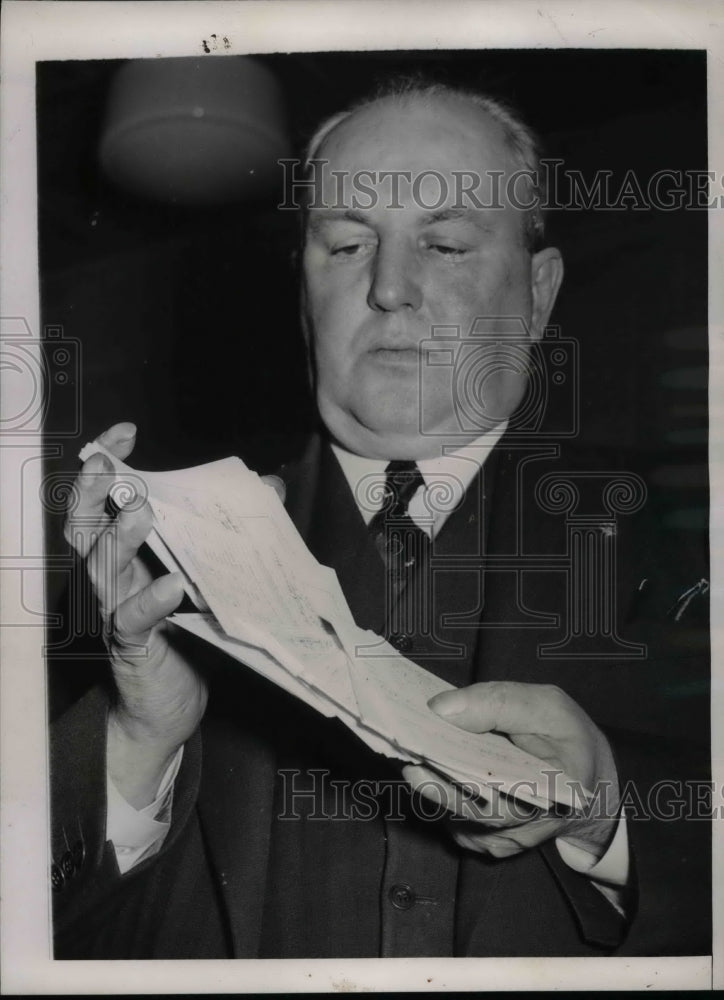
<point>546,275</point>
<point>303,311</point>
<point>306,333</point>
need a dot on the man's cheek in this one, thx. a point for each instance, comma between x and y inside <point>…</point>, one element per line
<point>460,300</point>
<point>336,361</point>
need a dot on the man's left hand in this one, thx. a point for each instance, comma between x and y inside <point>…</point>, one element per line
<point>544,721</point>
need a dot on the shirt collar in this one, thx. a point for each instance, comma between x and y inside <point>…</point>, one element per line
<point>449,475</point>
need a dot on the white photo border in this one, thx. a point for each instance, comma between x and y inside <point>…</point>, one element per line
<point>34,30</point>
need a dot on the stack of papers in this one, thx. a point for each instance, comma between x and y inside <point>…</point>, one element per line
<point>264,600</point>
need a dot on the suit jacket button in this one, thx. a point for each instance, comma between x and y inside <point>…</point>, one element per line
<point>67,865</point>
<point>402,897</point>
<point>401,642</point>
<point>78,853</point>
<point>57,879</point>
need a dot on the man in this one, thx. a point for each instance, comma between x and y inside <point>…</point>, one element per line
<point>218,835</point>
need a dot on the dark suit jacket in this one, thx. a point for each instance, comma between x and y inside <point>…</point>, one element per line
<point>231,880</point>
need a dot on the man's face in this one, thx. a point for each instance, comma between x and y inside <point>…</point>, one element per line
<point>378,279</point>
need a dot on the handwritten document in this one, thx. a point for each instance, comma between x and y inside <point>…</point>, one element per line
<point>264,600</point>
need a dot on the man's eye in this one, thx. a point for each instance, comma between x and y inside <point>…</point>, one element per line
<point>447,250</point>
<point>347,249</point>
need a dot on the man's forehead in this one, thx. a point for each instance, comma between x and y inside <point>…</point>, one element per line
<point>321,217</point>
<point>447,130</point>
<point>440,160</point>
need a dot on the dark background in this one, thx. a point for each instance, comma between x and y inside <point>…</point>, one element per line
<point>188,319</point>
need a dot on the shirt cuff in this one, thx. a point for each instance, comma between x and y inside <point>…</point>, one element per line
<point>609,873</point>
<point>612,868</point>
<point>139,833</point>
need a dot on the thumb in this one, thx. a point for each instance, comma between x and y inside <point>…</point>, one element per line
<point>278,484</point>
<point>143,611</point>
<point>119,439</point>
<point>505,706</point>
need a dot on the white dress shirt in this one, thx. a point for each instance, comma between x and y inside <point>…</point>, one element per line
<point>138,834</point>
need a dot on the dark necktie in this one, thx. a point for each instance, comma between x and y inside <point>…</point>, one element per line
<point>404,547</point>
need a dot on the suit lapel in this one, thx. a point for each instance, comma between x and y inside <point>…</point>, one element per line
<point>523,589</point>
<point>321,505</point>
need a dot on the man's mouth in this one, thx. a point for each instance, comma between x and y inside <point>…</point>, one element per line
<point>399,355</point>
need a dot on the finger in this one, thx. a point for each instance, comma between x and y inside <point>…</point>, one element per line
<point>278,484</point>
<point>471,801</point>
<point>142,612</point>
<point>119,439</point>
<point>87,517</point>
<point>110,562</point>
<point>524,837</point>
<point>433,788</point>
<point>511,707</point>
<point>494,844</point>
<point>512,840</point>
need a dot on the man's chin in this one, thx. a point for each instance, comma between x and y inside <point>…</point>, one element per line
<point>393,439</point>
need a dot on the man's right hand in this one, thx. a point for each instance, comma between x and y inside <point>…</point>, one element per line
<point>160,696</point>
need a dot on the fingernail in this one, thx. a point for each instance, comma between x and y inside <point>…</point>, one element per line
<point>127,433</point>
<point>277,484</point>
<point>448,703</point>
<point>124,431</point>
<point>101,463</point>
<point>165,587</point>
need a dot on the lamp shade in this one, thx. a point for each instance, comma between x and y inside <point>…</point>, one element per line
<point>194,131</point>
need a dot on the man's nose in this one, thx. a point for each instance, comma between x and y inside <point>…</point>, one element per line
<point>395,280</point>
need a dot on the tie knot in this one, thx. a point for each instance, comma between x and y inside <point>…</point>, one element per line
<point>402,481</point>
